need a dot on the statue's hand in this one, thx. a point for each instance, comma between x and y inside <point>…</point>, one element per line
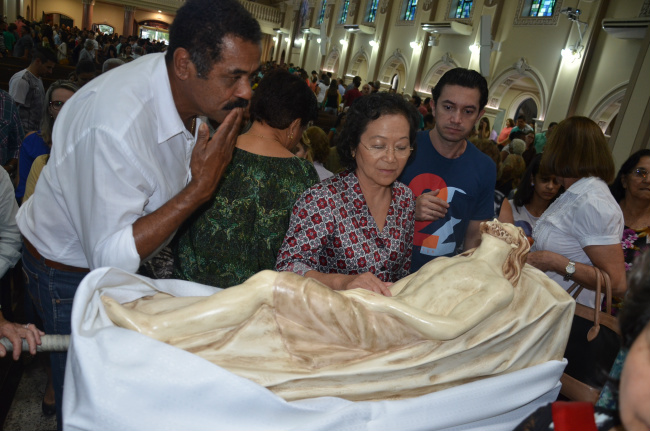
<point>367,281</point>
<point>429,207</point>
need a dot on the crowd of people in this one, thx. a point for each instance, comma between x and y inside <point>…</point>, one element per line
<point>221,188</point>
<point>71,44</point>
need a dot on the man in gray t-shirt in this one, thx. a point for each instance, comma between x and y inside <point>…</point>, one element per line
<point>26,88</point>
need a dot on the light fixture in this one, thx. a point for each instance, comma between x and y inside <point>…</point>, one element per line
<point>374,43</point>
<point>275,39</point>
<point>277,30</point>
<point>298,41</point>
<point>475,48</point>
<point>344,43</point>
<point>318,39</point>
<point>573,53</point>
<point>415,44</point>
<point>286,39</point>
<point>434,40</point>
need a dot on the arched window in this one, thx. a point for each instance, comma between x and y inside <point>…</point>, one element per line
<point>409,9</point>
<point>538,8</point>
<point>344,12</point>
<point>321,16</point>
<point>371,12</point>
<point>460,9</point>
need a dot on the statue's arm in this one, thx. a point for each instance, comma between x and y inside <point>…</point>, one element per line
<point>494,294</point>
<point>227,308</point>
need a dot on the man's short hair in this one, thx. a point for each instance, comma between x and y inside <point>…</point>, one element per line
<point>201,25</point>
<point>464,78</point>
<point>44,54</point>
<point>85,66</point>
<point>111,63</point>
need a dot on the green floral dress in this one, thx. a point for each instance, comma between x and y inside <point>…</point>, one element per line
<point>239,232</point>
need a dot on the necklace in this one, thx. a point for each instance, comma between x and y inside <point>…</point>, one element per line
<point>263,137</point>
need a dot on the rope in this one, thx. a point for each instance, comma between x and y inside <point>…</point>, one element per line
<point>49,343</point>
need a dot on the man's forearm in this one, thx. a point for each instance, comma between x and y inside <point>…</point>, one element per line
<point>150,231</point>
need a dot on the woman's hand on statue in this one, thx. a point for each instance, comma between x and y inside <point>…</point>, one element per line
<point>14,332</point>
<point>368,281</point>
<point>429,207</point>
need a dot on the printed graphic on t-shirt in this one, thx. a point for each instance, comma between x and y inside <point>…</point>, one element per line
<point>435,238</point>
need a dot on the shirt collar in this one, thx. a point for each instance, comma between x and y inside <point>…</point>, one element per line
<point>170,123</point>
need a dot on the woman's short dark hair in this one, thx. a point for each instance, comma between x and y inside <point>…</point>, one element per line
<point>617,189</point>
<point>280,98</point>
<point>635,315</point>
<point>369,108</point>
<point>201,25</point>
<point>577,149</point>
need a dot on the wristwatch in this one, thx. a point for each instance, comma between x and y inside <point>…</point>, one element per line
<point>570,270</point>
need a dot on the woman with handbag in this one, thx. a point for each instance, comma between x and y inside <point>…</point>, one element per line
<point>581,231</point>
<point>626,398</point>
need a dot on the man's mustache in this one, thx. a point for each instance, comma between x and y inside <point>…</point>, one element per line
<point>237,103</point>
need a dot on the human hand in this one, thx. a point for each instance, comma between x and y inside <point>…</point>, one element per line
<point>429,207</point>
<point>540,260</point>
<point>368,281</point>
<point>15,332</point>
<point>210,157</point>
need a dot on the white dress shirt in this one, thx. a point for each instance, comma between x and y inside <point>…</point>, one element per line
<point>585,214</point>
<point>9,235</point>
<point>120,151</point>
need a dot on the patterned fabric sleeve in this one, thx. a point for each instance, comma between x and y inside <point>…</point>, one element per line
<point>408,238</point>
<point>311,222</point>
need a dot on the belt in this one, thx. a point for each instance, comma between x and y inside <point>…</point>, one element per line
<point>52,264</point>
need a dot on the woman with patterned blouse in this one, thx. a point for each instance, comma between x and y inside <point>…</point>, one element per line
<point>238,233</point>
<point>355,229</point>
<point>631,189</point>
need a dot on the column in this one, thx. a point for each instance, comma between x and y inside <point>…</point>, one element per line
<point>87,17</point>
<point>127,28</point>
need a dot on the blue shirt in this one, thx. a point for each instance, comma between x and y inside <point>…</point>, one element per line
<point>466,183</point>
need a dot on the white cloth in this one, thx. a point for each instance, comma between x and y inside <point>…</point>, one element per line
<point>120,379</point>
<point>323,89</point>
<point>10,242</point>
<point>116,156</point>
<point>323,173</point>
<point>585,214</point>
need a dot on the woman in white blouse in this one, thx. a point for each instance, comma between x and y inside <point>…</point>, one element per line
<point>583,227</point>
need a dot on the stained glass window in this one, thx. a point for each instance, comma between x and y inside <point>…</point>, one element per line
<point>371,14</point>
<point>321,17</point>
<point>344,12</point>
<point>409,10</point>
<point>463,9</point>
<point>540,8</point>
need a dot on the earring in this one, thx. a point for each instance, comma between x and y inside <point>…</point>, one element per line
<point>291,136</point>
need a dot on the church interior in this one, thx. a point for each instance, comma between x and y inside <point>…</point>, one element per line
<point>545,59</point>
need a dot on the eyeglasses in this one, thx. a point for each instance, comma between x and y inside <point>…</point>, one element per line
<point>380,150</point>
<point>640,173</point>
<point>56,104</point>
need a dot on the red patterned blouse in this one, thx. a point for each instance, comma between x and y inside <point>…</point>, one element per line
<point>332,231</point>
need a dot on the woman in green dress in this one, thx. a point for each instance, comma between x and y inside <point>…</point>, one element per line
<point>239,232</point>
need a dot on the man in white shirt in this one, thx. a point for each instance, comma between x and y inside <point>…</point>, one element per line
<point>128,167</point>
